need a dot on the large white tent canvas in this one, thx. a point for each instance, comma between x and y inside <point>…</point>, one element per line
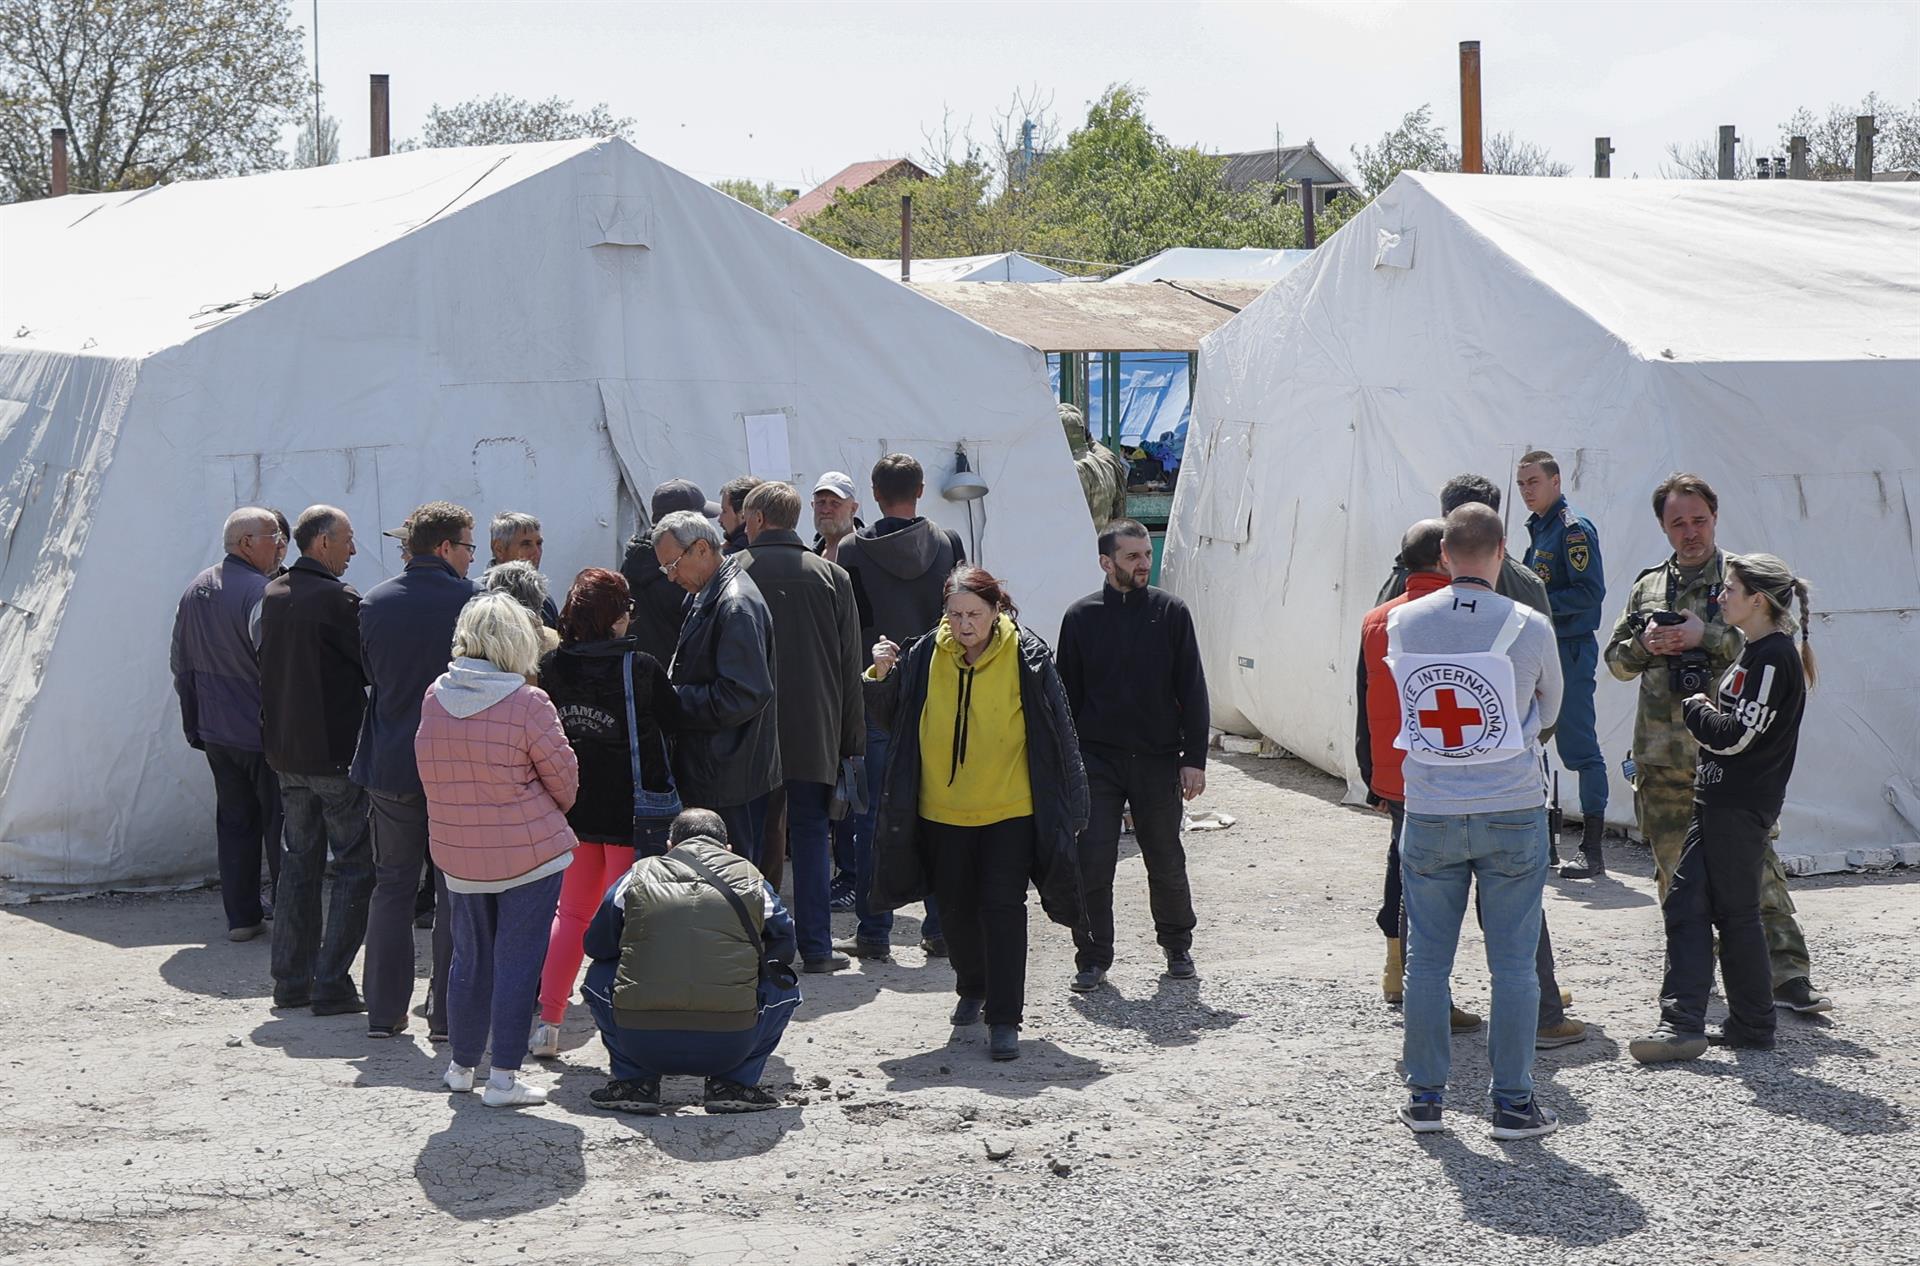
<point>547,328</point>
<point>1765,335</point>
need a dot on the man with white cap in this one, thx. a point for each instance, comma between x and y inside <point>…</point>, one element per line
<point>835,513</point>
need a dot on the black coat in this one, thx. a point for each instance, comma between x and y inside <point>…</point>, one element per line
<point>903,869</point>
<point>583,680</point>
<point>313,694</point>
<point>816,626</point>
<point>727,749</point>
<point>659,605</point>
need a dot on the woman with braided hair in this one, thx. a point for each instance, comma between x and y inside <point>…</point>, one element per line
<point>1748,736</point>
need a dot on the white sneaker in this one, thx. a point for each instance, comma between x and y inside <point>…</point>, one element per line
<point>458,1079</point>
<point>546,1041</point>
<point>519,1094</point>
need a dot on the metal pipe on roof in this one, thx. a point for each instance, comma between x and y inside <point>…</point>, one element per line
<point>59,184</point>
<point>906,237</point>
<point>1863,133</point>
<point>1470,106</point>
<point>1602,157</point>
<point>380,138</point>
<point>1797,158</point>
<point>1727,141</point>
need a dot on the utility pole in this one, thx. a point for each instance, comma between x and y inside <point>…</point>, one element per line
<point>1306,210</point>
<point>1727,141</point>
<point>1602,157</point>
<point>1470,106</point>
<point>1863,133</point>
<point>906,237</point>
<point>316,83</point>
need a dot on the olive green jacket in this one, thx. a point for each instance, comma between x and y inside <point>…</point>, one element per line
<point>1660,734</point>
<point>686,961</point>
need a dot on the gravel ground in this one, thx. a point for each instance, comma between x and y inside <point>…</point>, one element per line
<point>152,1109</point>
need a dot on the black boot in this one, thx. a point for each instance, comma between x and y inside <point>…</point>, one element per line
<point>1592,864</point>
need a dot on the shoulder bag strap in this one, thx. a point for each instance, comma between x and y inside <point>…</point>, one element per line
<point>733,899</point>
<point>1515,626</point>
<point>633,727</point>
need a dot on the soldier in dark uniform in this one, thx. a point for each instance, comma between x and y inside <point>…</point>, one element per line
<point>1566,556</point>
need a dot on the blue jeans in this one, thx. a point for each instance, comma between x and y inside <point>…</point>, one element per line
<point>810,860</point>
<point>1505,854</point>
<point>324,815</point>
<point>1575,736</point>
<point>737,1057</point>
<point>746,826</point>
<point>876,926</point>
<point>499,947</point>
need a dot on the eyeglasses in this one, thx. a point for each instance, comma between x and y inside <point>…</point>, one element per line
<point>465,545</point>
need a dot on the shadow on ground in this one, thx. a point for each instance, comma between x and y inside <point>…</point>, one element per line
<point>963,1062</point>
<point>1172,1016</point>
<point>500,1162</point>
<point>1526,1189</point>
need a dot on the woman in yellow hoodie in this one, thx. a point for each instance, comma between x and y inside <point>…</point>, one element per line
<point>984,791</point>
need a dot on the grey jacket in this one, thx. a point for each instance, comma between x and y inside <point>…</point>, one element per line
<point>817,637</point>
<point>727,750</point>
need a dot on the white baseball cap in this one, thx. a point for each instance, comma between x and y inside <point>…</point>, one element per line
<point>837,482</point>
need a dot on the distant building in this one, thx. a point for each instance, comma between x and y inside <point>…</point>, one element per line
<point>1289,163</point>
<point>879,171</point>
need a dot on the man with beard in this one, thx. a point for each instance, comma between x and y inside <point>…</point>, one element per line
<point>1130,663</point>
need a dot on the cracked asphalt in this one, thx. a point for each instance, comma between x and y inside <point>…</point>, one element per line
<point>152,1109</point>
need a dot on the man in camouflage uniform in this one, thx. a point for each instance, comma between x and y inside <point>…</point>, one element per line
<point>1103,476</point>
<point>1664,753</point>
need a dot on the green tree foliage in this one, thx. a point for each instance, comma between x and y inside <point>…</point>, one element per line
<point>148,90</point>
<point>505,120</point>
<point>765,198</point>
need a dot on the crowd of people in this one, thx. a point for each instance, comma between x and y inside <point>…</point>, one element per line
<point>635,773</point>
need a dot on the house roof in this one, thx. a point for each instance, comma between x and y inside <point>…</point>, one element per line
<point>1289,162</point>
<point>1005,266</point>
<point>1155,317</point>
<point>853,176</point>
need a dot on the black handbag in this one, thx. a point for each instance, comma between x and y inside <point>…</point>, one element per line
<point>653,811</point>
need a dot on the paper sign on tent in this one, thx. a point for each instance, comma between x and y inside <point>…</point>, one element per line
<point>768,456</point>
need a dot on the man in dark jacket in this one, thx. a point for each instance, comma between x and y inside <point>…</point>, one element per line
<point>216,673</point>
<point>823,720</point>
<point>726,754</point>
<point>1130,663</point>
<point>899,570</point>
<point>659,605</point>
<point>313,698</point>
<point>733,511</point>
<point>406,641</point>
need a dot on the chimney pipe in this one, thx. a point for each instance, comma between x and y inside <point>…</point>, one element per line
<point>1602,157</point>
<point>1470,106</point>
<point>1727,141</point>
<point>59,186</point>
<point>1863,133</point>
<point>1306,210</point>
<point>380,141</point>
<point>906,237</point>
<point>1797,158</point>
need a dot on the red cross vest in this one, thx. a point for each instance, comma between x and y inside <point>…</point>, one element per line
<point>1460,708</point>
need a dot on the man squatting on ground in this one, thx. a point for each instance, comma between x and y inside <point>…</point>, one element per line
<point>1130,663</point>
<point>1478,677</point>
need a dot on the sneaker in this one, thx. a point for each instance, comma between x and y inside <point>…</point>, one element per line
<point>395,1029</point>
<point>1088,979</point>
<point>840,895</point>
<point>1003,1041</point>
<point>1463,1021</point>
<point>1421,1114</point>
<point>520,1094</point>
<point>345,1004</point>
<point>545,1043</point>
<point>1735,1038</point>
<point>247,933</point>
<point>1797,994</point>
<point>1666,1045</point>
<point>1179,965</point>
<point>458,1079</point>
<point>820,966</point>
<point>875,951</point>
<point>730,1096</point>
<point>934,946</point>
<point>637,1094</point>
<point>1523,1121</point>
<point>967,1011</point>
<point>1565,1033</point>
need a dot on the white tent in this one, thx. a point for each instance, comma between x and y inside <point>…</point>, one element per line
<point>1765,335</point>
<point>1200,263</point>
<point>1005,266</point>
<point>548,328</point>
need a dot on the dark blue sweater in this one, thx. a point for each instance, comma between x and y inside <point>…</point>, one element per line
<point>406,641</point>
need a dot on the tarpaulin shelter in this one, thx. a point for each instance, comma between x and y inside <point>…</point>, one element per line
<point>1764,335</point>
<point>1005,266</point>
<point>548,328</point>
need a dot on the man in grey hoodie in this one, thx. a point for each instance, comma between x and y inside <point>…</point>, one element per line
<point>899,569</point>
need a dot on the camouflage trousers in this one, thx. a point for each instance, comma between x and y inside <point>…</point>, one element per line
<point>1663,803</point>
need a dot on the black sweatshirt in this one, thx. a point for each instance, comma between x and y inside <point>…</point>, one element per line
<point>1131,666</point>
<point>1748,743</point>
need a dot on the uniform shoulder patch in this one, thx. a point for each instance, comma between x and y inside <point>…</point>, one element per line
<point>1568,518</point>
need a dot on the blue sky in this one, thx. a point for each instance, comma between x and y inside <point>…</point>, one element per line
<point>792,92</point>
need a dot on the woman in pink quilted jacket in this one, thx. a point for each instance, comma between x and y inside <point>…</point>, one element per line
<point>499,777</point>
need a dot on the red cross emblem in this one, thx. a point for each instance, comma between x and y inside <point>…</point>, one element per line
<point>1450,717</point>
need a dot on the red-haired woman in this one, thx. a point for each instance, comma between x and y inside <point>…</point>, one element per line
<point>614,701</point>
<point>984,791</point>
